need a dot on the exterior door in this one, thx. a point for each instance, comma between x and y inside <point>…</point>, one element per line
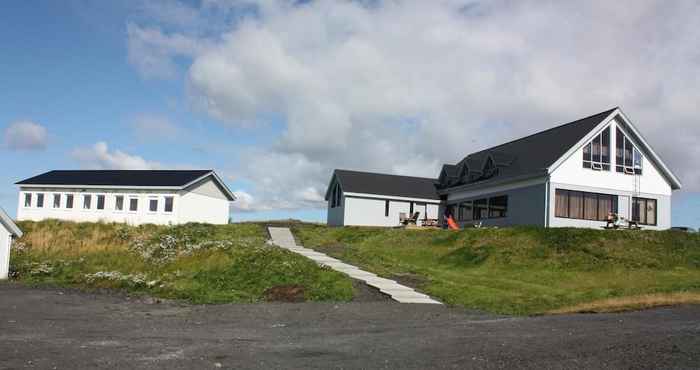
<point>623,207</point>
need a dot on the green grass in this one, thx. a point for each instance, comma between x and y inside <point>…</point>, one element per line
<point>520,270</point>
<point>195,262</point>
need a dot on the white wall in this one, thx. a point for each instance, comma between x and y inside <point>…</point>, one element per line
<point>371,211</point>
<point>5,242</point>
<point>202,202</point>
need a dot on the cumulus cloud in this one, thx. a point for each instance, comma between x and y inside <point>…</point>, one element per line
<point>404,86</point>
<point>149,127</point>
<point>25,135</point>
<point>99,157</point>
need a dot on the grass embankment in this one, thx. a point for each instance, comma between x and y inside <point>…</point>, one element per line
<point>526,270</point>
<point>194,262</point>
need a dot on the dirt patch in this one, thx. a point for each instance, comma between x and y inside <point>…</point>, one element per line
<point>335,249</point>
<point>410,280</point>
<point>366,293</point>
<point>285,293</point>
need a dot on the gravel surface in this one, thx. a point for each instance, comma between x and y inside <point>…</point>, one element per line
<point>44,328</point>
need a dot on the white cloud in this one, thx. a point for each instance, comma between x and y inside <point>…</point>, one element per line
<point>100,157</point>
<point>405,86</point>
<point>25,135</point>
<point>149,127</point>
<point>244,202</point>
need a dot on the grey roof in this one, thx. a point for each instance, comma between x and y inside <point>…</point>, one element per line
<point>389,185</point>
<point>533,154</point>
<point>154,178</point>
<point>6,221</point>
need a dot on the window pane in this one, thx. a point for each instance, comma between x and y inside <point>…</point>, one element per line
<point>57,201</point>
<point>637,161</point>
<point>628,153</point>
<point>562,203</point>
<point>28,200</point>
<point>100,202</point>
<point>605,206</point>
<point>87,199</point>
<point>119,203</point>
<point>153,205</point>
<point>651,211</point>
<point>481,209</point>
<point>619,148</point>
<point>40,200</point>
<point>590,206</point>
<point>587,152</point>
<point>69,201</point>
<point>576,204</point>
<point>498,206</point>
<point>636,206</point>
<point>605,146</point>
<point>133,204</point>
<point>596,149</point>
<point>169,204</point>
<point>465,211</point>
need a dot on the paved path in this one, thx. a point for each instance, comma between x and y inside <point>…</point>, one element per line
<point>63,329</point>
<point>282,237</point>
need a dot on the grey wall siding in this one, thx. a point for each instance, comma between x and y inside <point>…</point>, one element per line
<point>526,206</point>
<point>663,208</point>
<point>336,216</point>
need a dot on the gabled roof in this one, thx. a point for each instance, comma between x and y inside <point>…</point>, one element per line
<point>7,222</point>
<point>125,178</point>
<point>388,185</point>
<point>534,154</point>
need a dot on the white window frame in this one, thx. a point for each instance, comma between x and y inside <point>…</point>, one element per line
<point>124,203</point>
<point>53,203</point>
<point>97,202</point>
<point>150,199</point>
<point>82,205</point>
<point>72,196</point>
<point>131,197</point>
<point>165,204</point>
<point>31,200</point>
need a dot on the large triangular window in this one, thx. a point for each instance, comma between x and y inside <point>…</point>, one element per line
<point>629,159</point>
<point>596,154</point>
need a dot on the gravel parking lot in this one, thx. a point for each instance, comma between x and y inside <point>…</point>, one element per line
<point>48,328</point>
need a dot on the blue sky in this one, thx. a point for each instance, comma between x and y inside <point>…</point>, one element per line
<point>274,94</point>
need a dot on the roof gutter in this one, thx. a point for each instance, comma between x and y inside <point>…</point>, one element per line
<point>487,184</point>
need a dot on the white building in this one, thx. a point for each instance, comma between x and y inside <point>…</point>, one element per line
<point>134,197</point>
<point>571,175</point>
<point>372,199</point>
<point>8,231</point>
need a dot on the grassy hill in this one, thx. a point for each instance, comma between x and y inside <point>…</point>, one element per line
<point>195,262</point>
<point>526,270</point>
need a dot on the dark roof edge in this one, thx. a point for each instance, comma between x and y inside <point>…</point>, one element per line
<point>486,184</point>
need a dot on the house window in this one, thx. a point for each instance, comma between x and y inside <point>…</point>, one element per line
<point>100,202</point>
<point>153,205</point>
<point>87,199</point>
<point>644,211</point>
<point>386,208</point>
<point>490,170</point>
<point>27,200</point>
<point>119,203</point>
<point>410,209</point>
<point>629,159</point>
<point>57,201</point>
<point>465,212</point>
<point>498,206</point>
<point>133,204</point>
<point>69,201</point>
<point>596,154</point>
<point>335,196</point>
<point>584,206</point>
<point>40,200</point>
<point>169,204</point>
<point>481,209</point>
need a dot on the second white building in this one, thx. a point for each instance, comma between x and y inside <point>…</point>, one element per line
<point>129,196</point>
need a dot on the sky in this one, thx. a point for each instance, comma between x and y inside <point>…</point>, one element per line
<point>274,95</point>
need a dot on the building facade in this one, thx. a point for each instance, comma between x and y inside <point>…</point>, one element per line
<point>132,197</point>
<point>8,231</point>
<point>573,175</point>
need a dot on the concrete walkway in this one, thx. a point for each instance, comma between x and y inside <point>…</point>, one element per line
<point>282,237</point>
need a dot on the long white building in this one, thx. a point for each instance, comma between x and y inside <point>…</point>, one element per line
<point>8,231</point>
<point>574,175</point>
<point>133,197</point>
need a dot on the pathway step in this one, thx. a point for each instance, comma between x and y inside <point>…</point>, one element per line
<point>282,237</point>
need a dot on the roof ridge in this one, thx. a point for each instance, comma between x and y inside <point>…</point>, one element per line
<point>386,174</point>
<point>535,133</point>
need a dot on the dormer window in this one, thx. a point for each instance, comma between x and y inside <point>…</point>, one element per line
<point>629,159</point>
<point>464,174</point>
<point>490,169</point>
<point>596,154</point>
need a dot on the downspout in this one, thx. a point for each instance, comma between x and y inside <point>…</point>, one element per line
<point>546,202</point>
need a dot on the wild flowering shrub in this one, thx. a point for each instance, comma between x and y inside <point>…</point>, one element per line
<point>132,280</point>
